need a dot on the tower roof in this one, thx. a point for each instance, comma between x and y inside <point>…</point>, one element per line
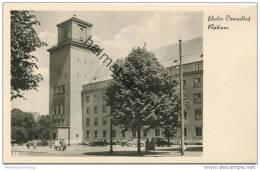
<point>76,20</point>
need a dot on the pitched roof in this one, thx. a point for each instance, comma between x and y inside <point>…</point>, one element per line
<point>192,51</point>
<point>77,20</point>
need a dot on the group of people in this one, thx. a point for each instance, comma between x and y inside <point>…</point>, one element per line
<point>149,145</point>
<point>60,145</point>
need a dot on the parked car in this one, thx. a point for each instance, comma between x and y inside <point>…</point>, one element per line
<point>124,142</point>
<point>161,142</point>
<point>113,143</point>
<point>100,142</point>
<point>134,143</point>
<point>85,143</point>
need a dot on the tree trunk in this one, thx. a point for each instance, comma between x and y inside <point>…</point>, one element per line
<point>168,140</point>
<point>139,140</point>
<point>111,136</point>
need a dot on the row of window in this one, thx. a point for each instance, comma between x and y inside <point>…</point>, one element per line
<point>197,97</point>
<point>196,66</point>
<point>60,89</point>
<point>96,98</point>
<point>104,121</point>
<point>58,110</point>
<point>123,133</point>
<point>197,114</point>
<point>197,131</point>
<point>104,109</point>
<point>196,83</point>
<point>59,122</point>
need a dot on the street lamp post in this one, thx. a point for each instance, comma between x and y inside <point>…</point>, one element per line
<point>181,98</point>
<point>111,135</point>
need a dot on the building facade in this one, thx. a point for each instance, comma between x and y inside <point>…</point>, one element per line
<point>95,112</point>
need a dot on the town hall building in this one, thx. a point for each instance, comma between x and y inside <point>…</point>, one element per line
<point>77,105</point>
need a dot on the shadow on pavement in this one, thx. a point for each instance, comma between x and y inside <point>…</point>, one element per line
<point>190,149</point>
<point>123,153</point>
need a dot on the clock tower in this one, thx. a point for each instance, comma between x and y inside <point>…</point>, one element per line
<point>71,65</point>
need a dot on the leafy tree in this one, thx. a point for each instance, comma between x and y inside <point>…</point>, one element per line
<point>24,40</point>
<point>139,94</point>
<point>43,124</point>
<point>23,125</point>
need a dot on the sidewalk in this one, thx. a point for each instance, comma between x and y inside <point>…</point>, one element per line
<point>79,150</point>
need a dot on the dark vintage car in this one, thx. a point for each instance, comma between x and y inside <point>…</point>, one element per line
<point>161,142</point>
<point>100,142</point>
<point>134,142</point>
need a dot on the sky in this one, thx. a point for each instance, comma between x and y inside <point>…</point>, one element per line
<point>116,32</point>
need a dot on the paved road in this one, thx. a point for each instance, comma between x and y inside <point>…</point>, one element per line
<point>79,150</point>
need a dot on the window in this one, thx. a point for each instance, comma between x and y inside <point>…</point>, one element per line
<point>54,136</point>
<point>123,133</point>
<point>197,98</point>
<point>185,114</point>
<point>113,133</point>
<point>87,122</point>
<point>196,82</point>
<point>104,108</point>
<point>95,98</point>
<point>88,110</point>
<point>184,84</point>
<point>198,114</point>
<point>104,121</point>
<point>157,132</point>
<point>145,131</point>
<point>185,132</point>
<point>87,99</point>
<point>54,110</point>
<point>61,109</point>
<point>197,66</point>
<point>96,121</point>
<point>58,110</point>
<point>96,134</point>
<point>63,88</point>
<point>81,34</point>
<point>104,98</point>
<point>87,134</point>
<point>134,133</point>
<point>65,32</point>
<point>198,131</point>
<point>95,109</point>
<point>104,133</point>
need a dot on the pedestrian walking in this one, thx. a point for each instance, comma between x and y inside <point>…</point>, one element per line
<point>147,145</point>
<point>34,145</point>
<point>56,145</point>
<point>63,145</point>
<point>152,145</point>
<point>28,145</point>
